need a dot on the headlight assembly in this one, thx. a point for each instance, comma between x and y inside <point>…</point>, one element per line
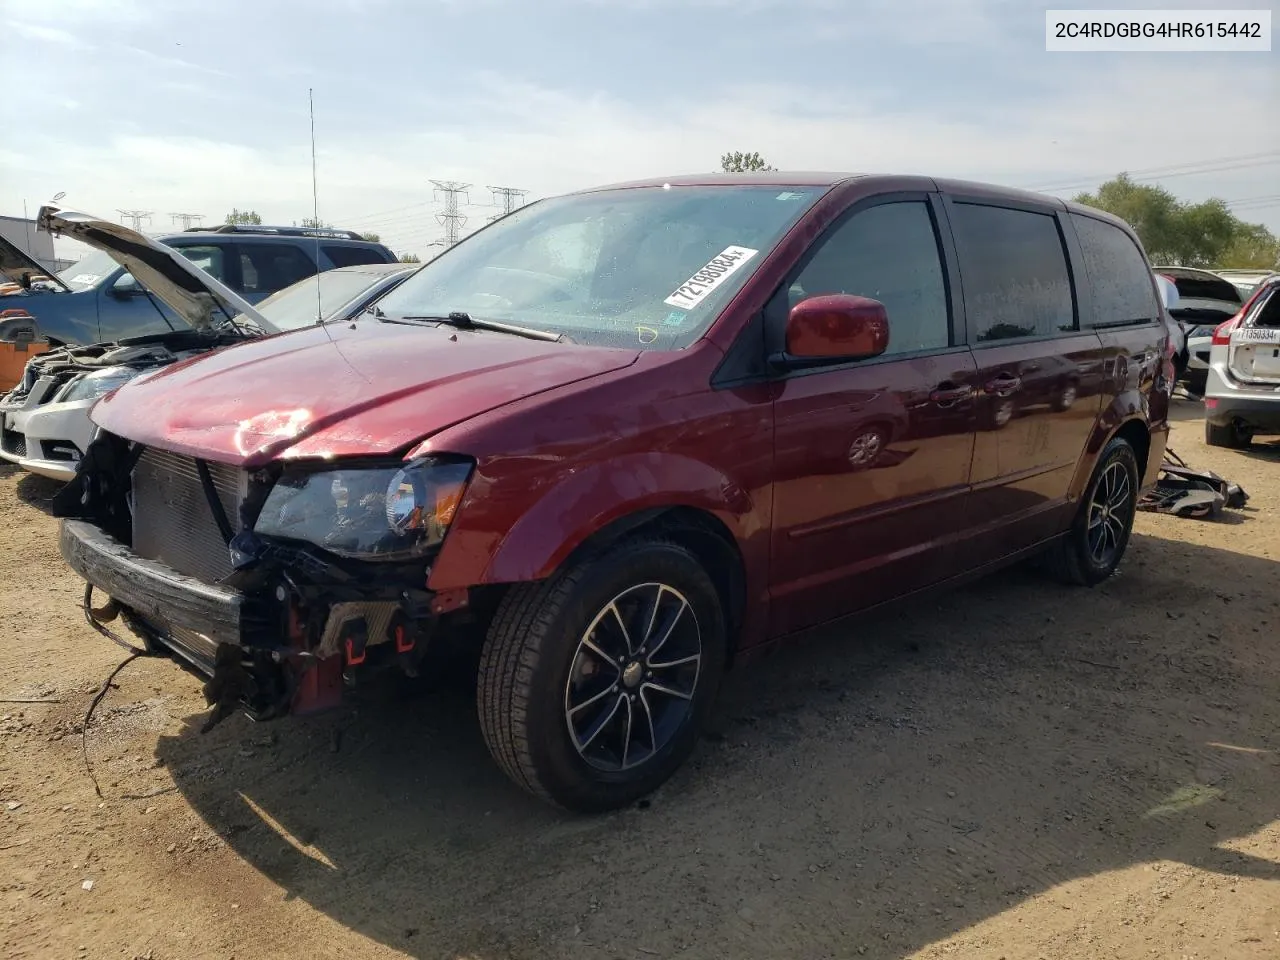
<point>91,386</point>
<point>371,513</point>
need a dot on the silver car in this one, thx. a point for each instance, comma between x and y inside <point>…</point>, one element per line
<point>1242,395</point>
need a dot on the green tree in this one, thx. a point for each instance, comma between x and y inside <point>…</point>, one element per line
<point>1179,233</point>
<point>244,216</point>
<point>371,237</point>
<point>1253,247</point>
<point>410,258</point>
<point>739,162</point>
<point>312,223</point>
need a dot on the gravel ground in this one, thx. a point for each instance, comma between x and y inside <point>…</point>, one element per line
<point>1014,770</point>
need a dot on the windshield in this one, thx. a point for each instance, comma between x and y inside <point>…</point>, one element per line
<point>296,306</point>
<point>649,266</point>
<point>89,271</point>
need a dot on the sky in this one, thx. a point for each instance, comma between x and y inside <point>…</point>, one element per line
<point>173,107</point>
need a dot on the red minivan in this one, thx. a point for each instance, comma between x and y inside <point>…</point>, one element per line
<point>618,437</point>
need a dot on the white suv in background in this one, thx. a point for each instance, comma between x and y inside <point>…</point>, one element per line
<point>1242,395</point>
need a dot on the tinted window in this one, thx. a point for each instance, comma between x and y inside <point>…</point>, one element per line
<point>1014,272</point>
<point>1119,275</point>
<point>209,259</point>
<point>268,267</point>
<point>889,253</point>
<point>352,256</point>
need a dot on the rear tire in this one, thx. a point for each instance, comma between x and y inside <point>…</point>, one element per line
<point>1094,546</point>
<point>595,638</point>
<point>1228,435</point>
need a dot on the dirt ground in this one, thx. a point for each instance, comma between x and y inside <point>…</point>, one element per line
<point>1014,770</point>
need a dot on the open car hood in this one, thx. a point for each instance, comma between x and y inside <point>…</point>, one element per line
<point>193,294</point>
<point>16,264</point>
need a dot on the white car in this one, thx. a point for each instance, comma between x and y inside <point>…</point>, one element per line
<point>1242,397</point>
<point>1204,301</point>
<point>44,420</point>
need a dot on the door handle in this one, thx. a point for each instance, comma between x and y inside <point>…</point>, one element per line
<point>948,395</point>
<point>1002,385</point>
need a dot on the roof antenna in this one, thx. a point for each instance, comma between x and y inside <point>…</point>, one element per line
<point>315,200</point>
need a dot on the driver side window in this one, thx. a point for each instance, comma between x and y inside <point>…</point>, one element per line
<point>889,253</point>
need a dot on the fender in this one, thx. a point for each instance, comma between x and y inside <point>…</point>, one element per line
<point>582,502</point>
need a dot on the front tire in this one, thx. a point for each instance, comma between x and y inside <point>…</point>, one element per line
<point>1094,546</point>
<point>593,685</point>
<point>1227,435</point>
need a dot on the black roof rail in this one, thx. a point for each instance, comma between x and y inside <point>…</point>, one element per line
<point>253,228</point>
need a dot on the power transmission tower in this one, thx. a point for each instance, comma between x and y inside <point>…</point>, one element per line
<point>508,198</point>
<point>451,219</point>
<point>135,217</point>
<point>186,219</point>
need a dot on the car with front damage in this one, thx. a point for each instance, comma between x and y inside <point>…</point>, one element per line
<point>580,444</point>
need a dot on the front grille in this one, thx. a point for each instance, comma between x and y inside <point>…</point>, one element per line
<point>172,520</point>
<point>14,443</point>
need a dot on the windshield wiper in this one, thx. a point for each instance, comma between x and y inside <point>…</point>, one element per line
<point>464,321</point>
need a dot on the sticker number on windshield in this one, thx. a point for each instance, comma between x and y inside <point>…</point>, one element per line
<point>85,278</point>
<point>713,273</point>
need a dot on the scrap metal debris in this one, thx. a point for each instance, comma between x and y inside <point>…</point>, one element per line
<point>1186,492</point>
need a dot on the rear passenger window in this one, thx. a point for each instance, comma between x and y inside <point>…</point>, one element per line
<point>1014,270</point>
<point>1118,275</point>
<point>352,256</point>
<point>208,259</point>
<point>268,267</point>
<point>890,253</point>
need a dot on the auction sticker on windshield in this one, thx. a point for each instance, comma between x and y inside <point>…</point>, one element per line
<point>713,273</point>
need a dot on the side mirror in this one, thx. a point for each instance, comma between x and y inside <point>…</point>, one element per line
<point>832,328</point>
<point>126,287</point>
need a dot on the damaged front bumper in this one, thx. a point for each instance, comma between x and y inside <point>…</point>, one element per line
<point>266,652</point>
<point>178,606</point>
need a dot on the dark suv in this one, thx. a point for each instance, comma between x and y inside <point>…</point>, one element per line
<point>95,300</point>
<point>618,437</point>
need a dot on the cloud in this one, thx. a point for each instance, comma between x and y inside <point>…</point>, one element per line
<point>1020,117</point>
<point>46,34</point>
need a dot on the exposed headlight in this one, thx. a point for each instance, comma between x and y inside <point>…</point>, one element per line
<point>91,386</point>
<point>374,513</point>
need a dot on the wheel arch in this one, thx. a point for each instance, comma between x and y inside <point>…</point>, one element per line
<point>1134,429</point>
<point>698,530</point>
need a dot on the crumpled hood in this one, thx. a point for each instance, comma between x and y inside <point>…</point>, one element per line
<point>364,388</point>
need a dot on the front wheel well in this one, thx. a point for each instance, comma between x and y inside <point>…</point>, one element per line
<point>701,532</point>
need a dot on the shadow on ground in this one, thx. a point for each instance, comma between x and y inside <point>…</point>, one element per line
<point>37,491</point>
<point>886,784</point>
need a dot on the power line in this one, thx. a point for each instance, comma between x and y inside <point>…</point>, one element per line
<point>135,217</point>
<point>186,219</point>
<point>451,219</point>
<point>1220,165</point>
<point>508,198</point>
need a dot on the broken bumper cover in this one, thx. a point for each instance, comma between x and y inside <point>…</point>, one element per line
<point>188,615</point>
